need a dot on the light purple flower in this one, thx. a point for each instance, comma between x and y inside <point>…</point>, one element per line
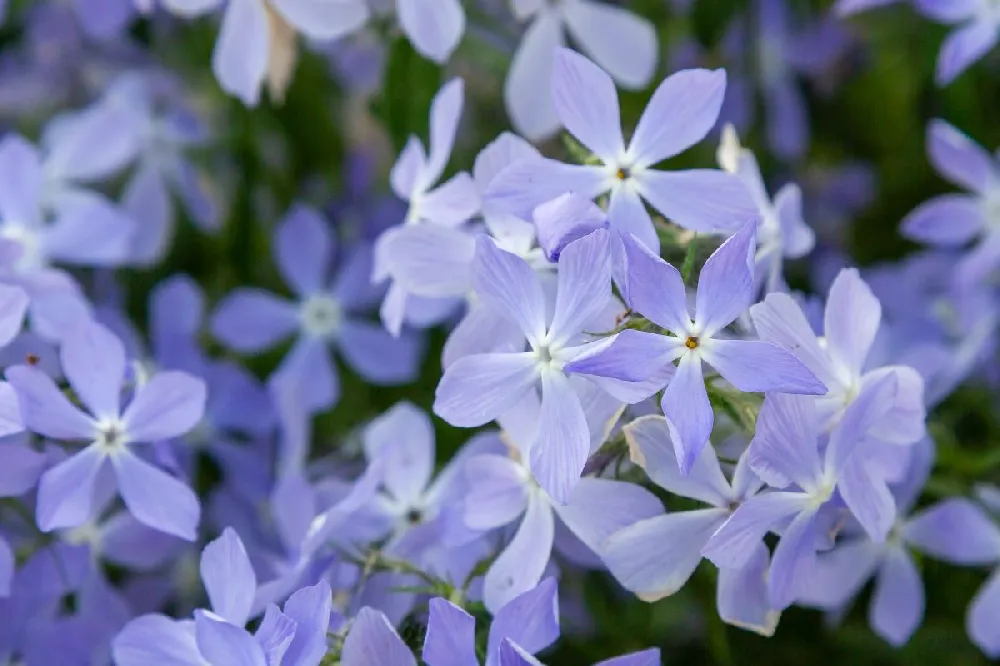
<point>479,388</point>
<point>621,42</point>
<point>655,557</point>
<point>725,289</point>
<point>681,112</point>
<point>169,405</point>
<point>785,454</point>
<point>977,32</point>
<point>325,313</point>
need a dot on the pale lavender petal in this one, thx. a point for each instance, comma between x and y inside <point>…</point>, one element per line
<point>866,494</point>
<point>223,644</point>
<point>404,437</point>
<point>898,603</point>
<point>866,410</point>
<point>241,53</point>
<point>13,307</point>
<point>22,468</point>
<point>309,372</point>
<point>250,320</point>
<point>310,609</point>
<point>655,557</point>
<point>980,620</point>
<point>446,108</point>
<point>521,564</point>
<point>681,112</point>
<point>477,389</point>
<point>510,654</point>
<point>947,220</point>
<point>587,104</point>
<point>584,279</point>
<point>147,201</point>
<point>410,164</point>
<point>93,232</point>
<point>725,284</point>
<point>20,181</point>
<point>656,288</point>
<point>378,357</point>
<point>948,11</point>
<point>598,508</point>
<point>688,412</point>
<point>702,200</point>
<point>168,405</point>
<point>784,448</point>
<point>95,143</point>
<point>510,286</point>
<point>620,41</point>
<point>649,657</point>
<point>531,619</point>
<point>451,203</point>
<point>794,560</point>
<point>274,635</point>
<point>780,320</point>
<point>156,639</point>
<point>562,445</point>
<point>963,47</point>
<point>66,491</point>
<point>651,447</point>
<point>45,409</point>
<point>429,259</point>
<point>732,546</point>
<point>628,216</point>
<point>958,158</point>
<point>127,542</point>
<point>304,247</point>
<point>851,321</point>
<point>497,491</point>
<point>787,118</point>
<point>155,498</point>
<point>451,635</point>
<point>372,641</point>
<point>228,577</point>
<point>531,114</point>
<point>565,219</point>
<point>498,155</point>
<point>481,331</point>
<point>755,366</point>
<point>93,359</point>
<point>742,596</point>
<point>798,238</point>
<point>955,530</point>
<point>323,20</point>
<point>528,183</point>
<point>434,27</point>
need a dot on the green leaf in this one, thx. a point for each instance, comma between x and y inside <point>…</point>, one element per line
<point>410,85</point>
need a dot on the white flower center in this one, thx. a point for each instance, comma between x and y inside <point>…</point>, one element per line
<point>31,251</point>
<point>111,437</point>
<point>320,316</point>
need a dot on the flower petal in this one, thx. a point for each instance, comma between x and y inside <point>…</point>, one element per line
<point>725,285</point>
<point>434,27</point>
<point>45,409</point>
<point>955,530</point>
<point>372,641</point>
<point>784,448</point>
<point>779,319</point>
<point>451,635</point>
<point>962,48</point>
<point>240,58</point>
<point>377,356</point>
<point>156,639</point>
<point>620,41</point>
<point>20,180</point>
<point>732,546</point>
<point>702,200</point>
<point>497,491</point>
<point>958,158</point>
<point>947,220</point>
<point>530,70</point>
<point>562,445</point>
<point>228,577</point>
<point>477,389</point>
<point>598,508</point>
<point>898,603</point>
<point>155,498</point>
<point>742,595</point>
<point>310,609</point>
<point>755,367</point>
<point>511,287</point>
<point>655,557</point>
<point>66,491</point>
<point>323,20</point>
<point>404,437</point>
<point>584,286</point>
<point>681,112</point>
<point>688,412</point>
<point>852,318</point>
<point>794,560</point>
<point>223,644</point>
<point>304,247</point>
<point>249,320</point>
<point>93,359</point>
<point>587,104</point>
<point>521,564</point>
<point>168,405</point>
<point>531,619</point>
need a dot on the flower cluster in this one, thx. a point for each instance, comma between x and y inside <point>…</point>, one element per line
<point>423,420</point>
